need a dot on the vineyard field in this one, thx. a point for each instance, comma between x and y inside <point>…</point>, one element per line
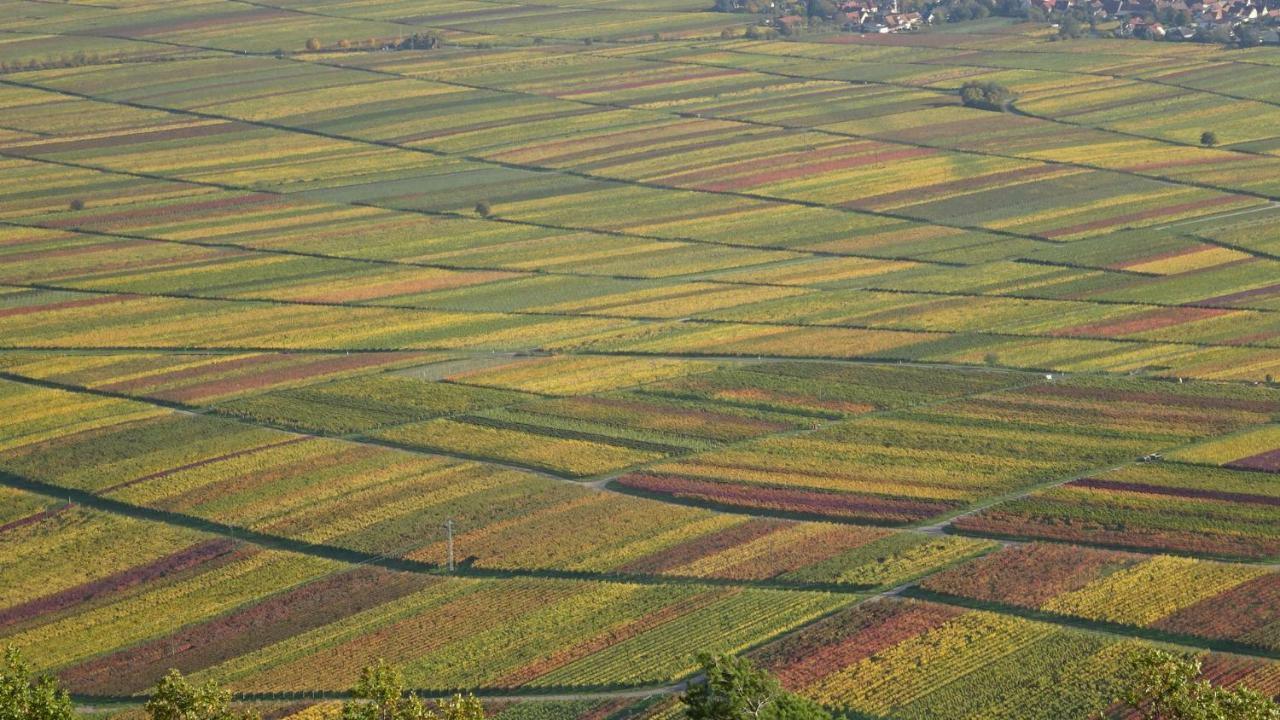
<point>536,347</point>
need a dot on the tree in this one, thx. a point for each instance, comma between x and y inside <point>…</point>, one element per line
<point>483,209</point>
<point>175,698</point>
<point>314,44</point>
<point>986,95</point>
<point>1070,28</point>
<point>821,9</point>
<point>1169,687</point>
<point>76,205</point>
<point>420,41</point>
<point>380,694</point>
<point>1220,34</point>
<point>26,697</point>
<point>733,689</point>
<point>1208,138</point>
<point>1248,36</point>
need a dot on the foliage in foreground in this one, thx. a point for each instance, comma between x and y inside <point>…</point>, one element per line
<point>175,698</point>
<point>1170,687</point>
<point>26,697</point>
<point>731,688</point>
<point>380,695</point>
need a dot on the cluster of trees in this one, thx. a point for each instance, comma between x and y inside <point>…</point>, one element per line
<point>816,11</point>
<point>1164,686</point>
<point>76,59</point>
<point>961,10</point>
<point>420,41</point>
<point>416,41</point>
<point>1072,25</point>
<point>986,95</point>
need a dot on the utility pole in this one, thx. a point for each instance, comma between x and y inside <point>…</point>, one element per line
<point>448,529</point>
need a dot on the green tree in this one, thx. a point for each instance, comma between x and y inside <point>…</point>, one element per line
<point>420,41</point>
<point>175,698</point>
<point>1248,36</point>
<point>821,9</point>
<point>26,697</point>
<point>732,688</point>
<point>1208,138</point>
<point>1070,28</point>
<point>1220,34</point>
<point>986,95</point>
<point>483,209</point>
<point>380,694</point>
<point>1170,687</point>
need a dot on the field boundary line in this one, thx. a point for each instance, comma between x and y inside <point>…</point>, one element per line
<point>524,167</point>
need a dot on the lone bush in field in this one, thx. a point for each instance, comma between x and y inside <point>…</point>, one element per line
<point>420,41</point>
<point>175,698</point>
<point>1170,687</point>
<point>76,205</point>
<point>1070,28</point>
<point>1208,138</point>
<point>986,95</point>
<point>26,697</point>
<point>483,209</point>
<point>314,44</point>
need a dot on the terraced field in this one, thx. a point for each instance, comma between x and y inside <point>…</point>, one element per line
<point>697,342</point>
